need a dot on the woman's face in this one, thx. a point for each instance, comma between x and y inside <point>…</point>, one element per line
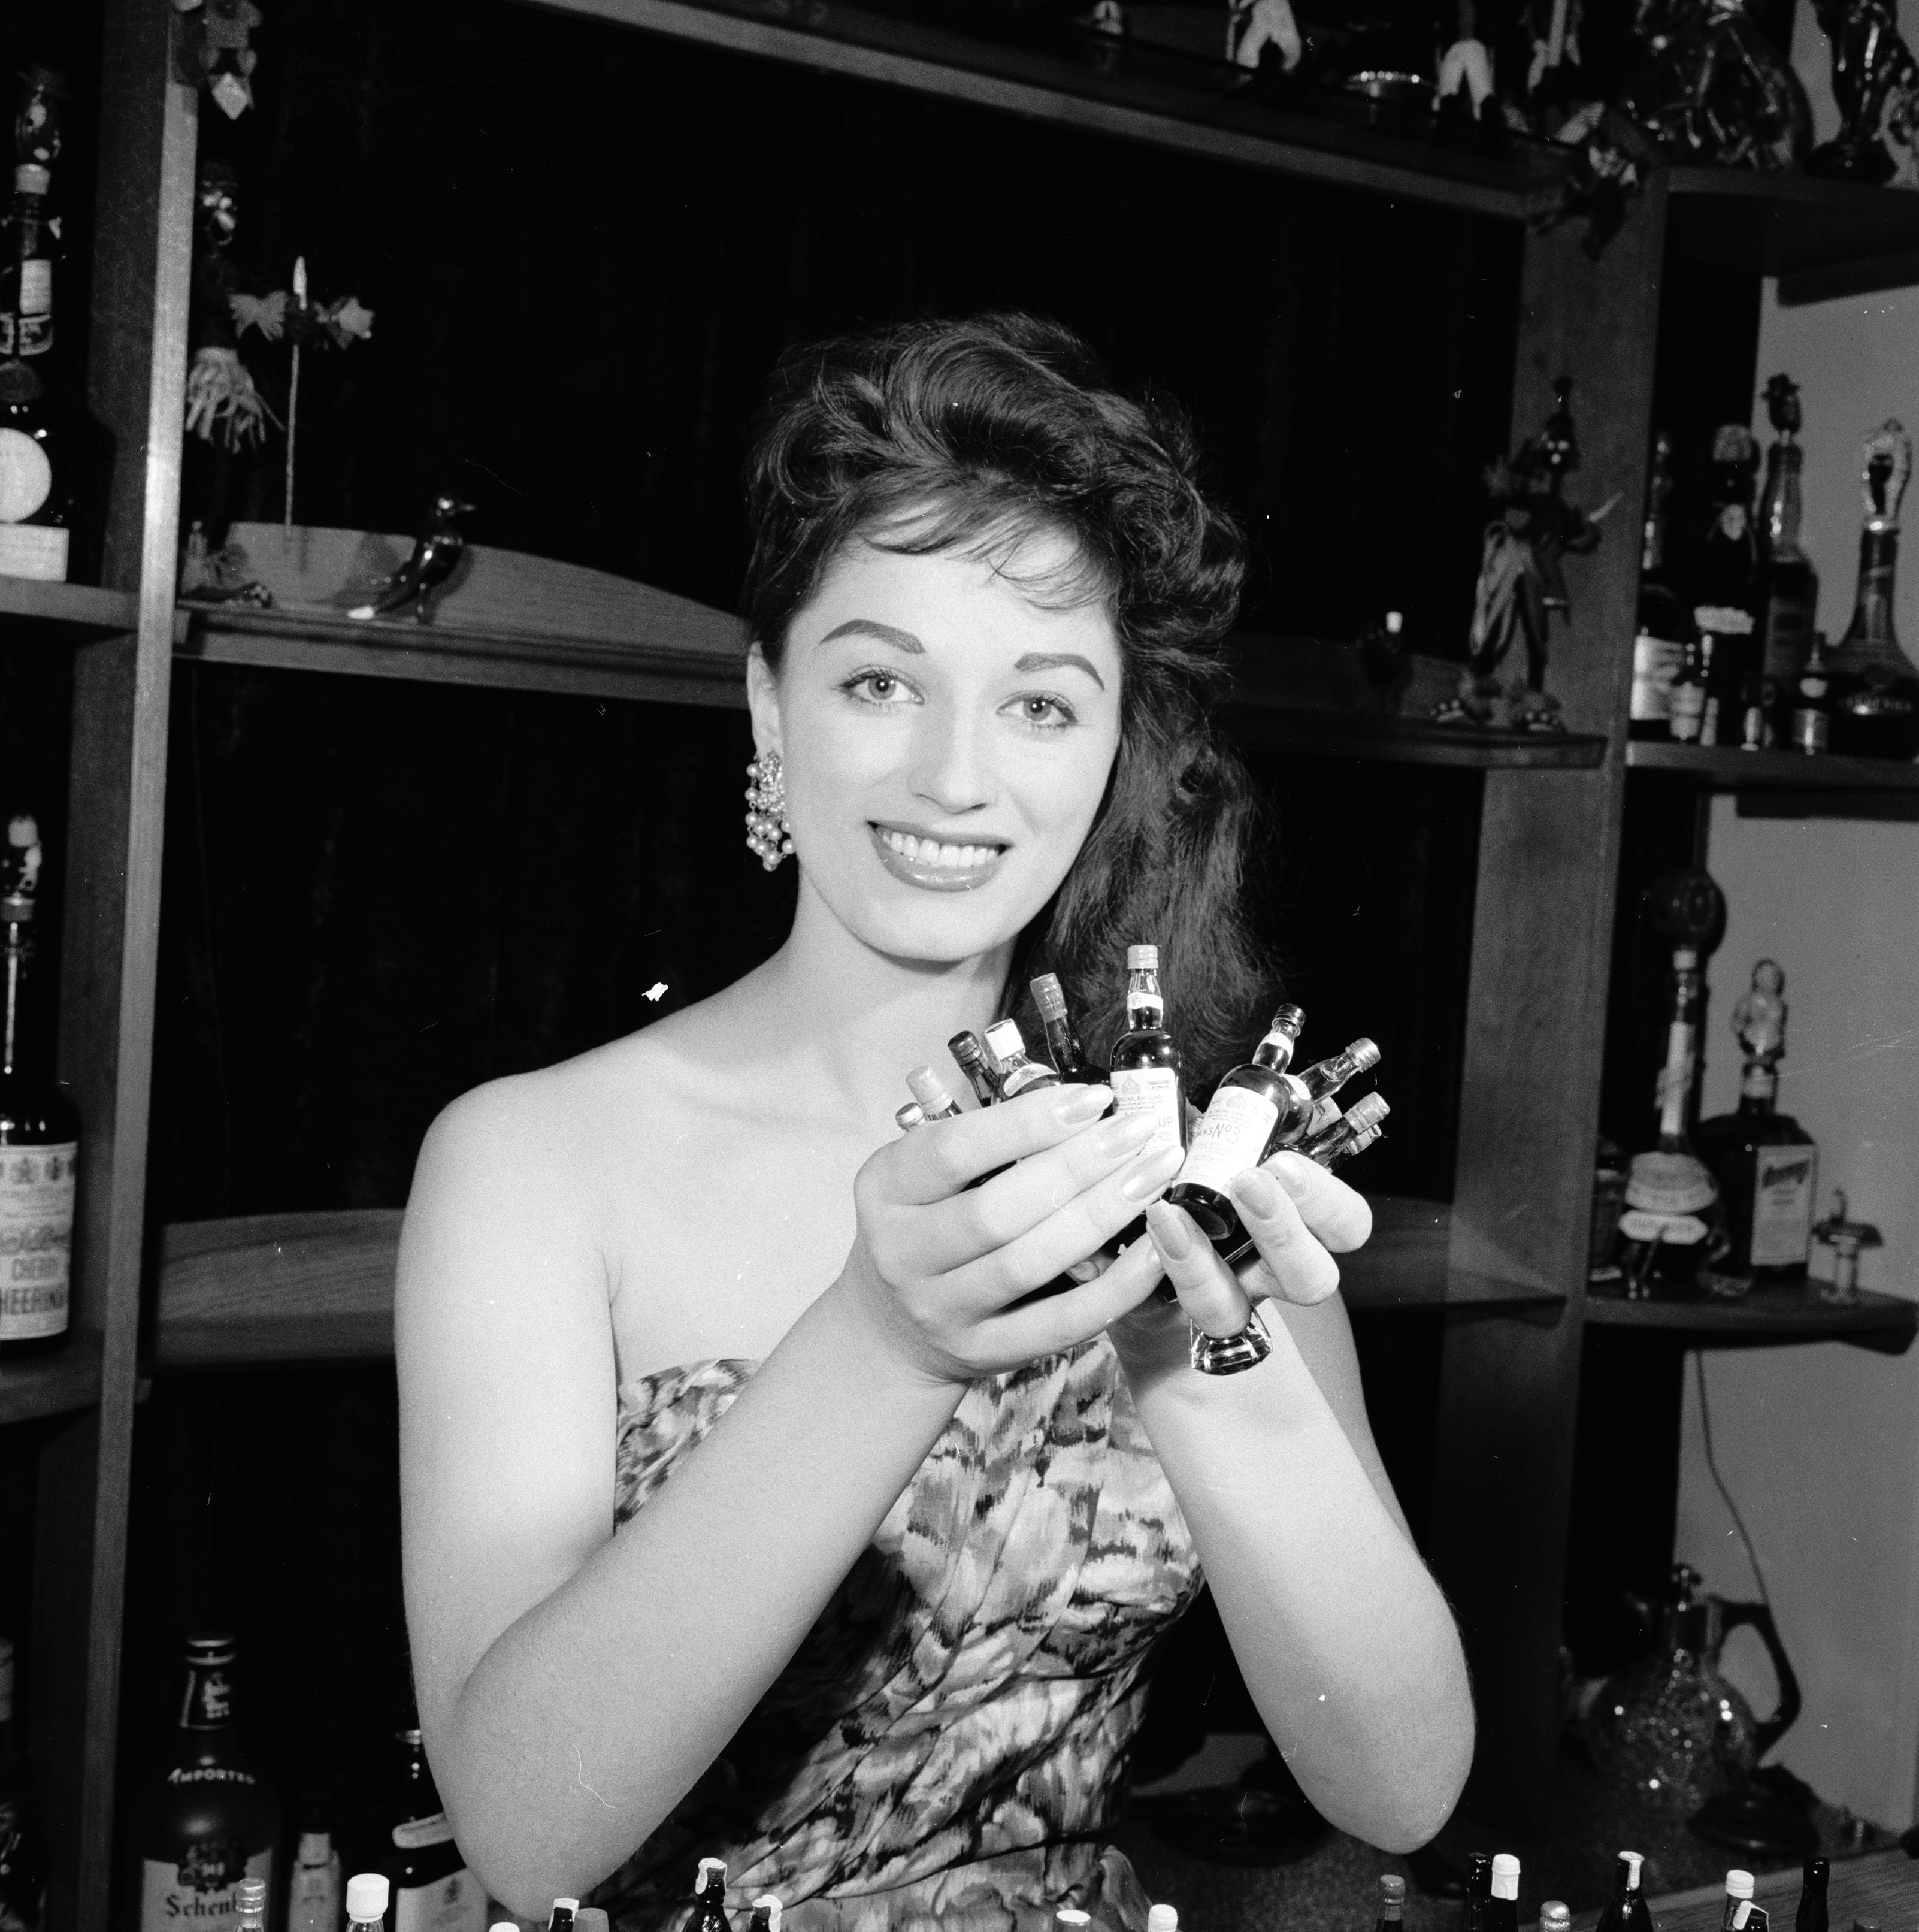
<point>946,742</point>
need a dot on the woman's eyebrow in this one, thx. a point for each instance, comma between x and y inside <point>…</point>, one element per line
<point>1056,660</point>
<point>887,634</point>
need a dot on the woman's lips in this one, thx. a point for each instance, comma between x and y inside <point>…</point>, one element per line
<point>936,867</point>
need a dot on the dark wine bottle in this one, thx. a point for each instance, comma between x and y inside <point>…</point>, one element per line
<point>1502,1904</point>
<point>433,1890</point>
<point>206,1818</point>
<point>969,1054</point>
<point>1788,587</point>
<point>40,1132</point>
<point>1479,1889</point>
<point>1062,1036</point>
<point>1811,703</point>
<point>710,1898</point>
<point>1812,1914</point>
<point>1664,625</point>
<point>1392,1903</point>
<point>1726,587</point>
<point>1626,1910</point>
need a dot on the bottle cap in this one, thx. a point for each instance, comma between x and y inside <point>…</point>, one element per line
<point>1738,1884</point>
<point>1685,958</point>
<point>1396,622</point>
<point>1632,1861</point>
<point>1362,1053</point>
<point>966,1049</point>
<point>1069,1918</point>
<point>929,1090</point>
<point>29,178</point>
<point>590,1919</point>
<point>504,1925</point>
<point>712,1871</point>
<point>1391,1888</point>
<point>1505,1876</point>
<point>770,1906</point>
<point>210,1647</point>
<point>1003,1040</point>
<point>249,1897</point>
<point>1162,1918</point>
<point>1047,996</point>
<point>367,1894</point>
<point>1368,1111</point>
<point>1556,1915</point>
<point>1142,959</point>
<point>911,1115</point>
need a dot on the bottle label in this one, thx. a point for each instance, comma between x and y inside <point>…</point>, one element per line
<point>1656,662</point>
<point>455,1904</point>
<point>37,287</point>
<point>1723,620</point>
<point>36,1239</point>
<point>419,1833</point>
<point>1230,1138</point>
<point>37,551</point>
<point>1675,1231</point>
<point>313,1898</point>
<point>1154,1090</point>
<point>202,1890</point>
<point>26,476</point>
<point>1784,1181</point>
<point>1788,638</point>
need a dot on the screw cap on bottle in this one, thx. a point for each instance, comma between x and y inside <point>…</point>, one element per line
<point>1368,1111</point>
<point>249,1897</point>
<point>770,1906</point>
<point>1162,1918</point>
<point>1738,1884</point>
<point>1391,1888</point>
<point>1047,996</point>
<point>210,1647</point>
<point>1505,1876</point>
<point>1142,959</point>
<point>1556,1915</point>
<point>504,1925</point>
<point>1070,1918</point>
<point>367,1894</point>
<point>911,1115</point>
<point>929,1090</point>
<point>1363,1053</point>
<point>1003,1040</point>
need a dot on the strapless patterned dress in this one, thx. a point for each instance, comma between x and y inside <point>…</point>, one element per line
<point>947,1747</point>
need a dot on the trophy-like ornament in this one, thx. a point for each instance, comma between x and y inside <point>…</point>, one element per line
<point>1521,582</point>
<point>1709,86</point>
<point>1875,83</point>
<point>1874,694</point>
<point>1759,1016</point>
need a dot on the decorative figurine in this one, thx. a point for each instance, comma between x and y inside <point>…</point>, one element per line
<point>224,405</point>
<point>1875,82</point>
<point>1254,26</point>
<point>1466,86</point>
<point>216,39</point>
<point>1710,87</point>
<point>1845,1237</point>
<point>1759,1018</point>
<point>436,554</point>
<point>37,126</point>
<point>1521,584</point>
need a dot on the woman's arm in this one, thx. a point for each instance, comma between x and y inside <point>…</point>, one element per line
<point>1346,1644</point>
<point>573,1684</point>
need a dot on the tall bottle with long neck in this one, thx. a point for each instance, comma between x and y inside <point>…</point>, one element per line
<point>39,1131</point>
<point>1726,587</point>
<point>1659,647</point>
<point>1789,587</point>
<point>206,1818</point>
<point>1874,697</point>
<point>1812,1913</point>
<point>1671,1198</point>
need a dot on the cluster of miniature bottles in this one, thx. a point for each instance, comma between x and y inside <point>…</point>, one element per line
<point>1733,659</point>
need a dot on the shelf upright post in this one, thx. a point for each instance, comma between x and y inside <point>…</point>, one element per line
<point>1535,1030</point>
<point>143,259</point>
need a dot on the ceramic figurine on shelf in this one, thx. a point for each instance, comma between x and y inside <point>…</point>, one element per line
<point>1521,584</point>
<point>1759,1016</point>
<point>216,36</point>
<point>1875,83</point>
<point>1254,26</point>
<point>436,553</point>
<point>224,405</point>
<point>1710,87</point>
<point>1468,113</point>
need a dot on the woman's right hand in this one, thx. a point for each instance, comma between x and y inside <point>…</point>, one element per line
<point>942,1269</point>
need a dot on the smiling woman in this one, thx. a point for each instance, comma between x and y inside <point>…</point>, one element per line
<point>754,1504</point>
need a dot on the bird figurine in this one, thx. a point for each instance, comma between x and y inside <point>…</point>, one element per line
<point>437,551</point>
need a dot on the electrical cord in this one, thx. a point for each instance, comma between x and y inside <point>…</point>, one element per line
<point>1719,1481</point>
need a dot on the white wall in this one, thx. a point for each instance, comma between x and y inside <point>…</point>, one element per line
<point>1820,1444</point>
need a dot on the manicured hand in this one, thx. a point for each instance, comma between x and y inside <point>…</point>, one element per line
<point>941,1269</point>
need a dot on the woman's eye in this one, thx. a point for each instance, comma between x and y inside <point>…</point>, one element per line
<point>876,687</point>
<point>1048,714</point>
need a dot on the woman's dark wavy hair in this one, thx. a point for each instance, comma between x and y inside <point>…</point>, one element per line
<point>977,436</point>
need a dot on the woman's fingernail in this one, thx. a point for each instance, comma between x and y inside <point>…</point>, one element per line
<point>1083,1103</point>
<point>1122,1135</point>
<point>1294,1177</point>
<point>1171,1231</point>
<point>1257,1192</point>
<point>1155,1172</point>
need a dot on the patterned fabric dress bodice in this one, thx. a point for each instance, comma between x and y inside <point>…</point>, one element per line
<point>946,1746</point>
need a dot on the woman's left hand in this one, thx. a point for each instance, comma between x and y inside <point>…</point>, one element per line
<point>1299,1217</point>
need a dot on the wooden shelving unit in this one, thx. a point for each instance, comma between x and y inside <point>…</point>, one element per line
<point>1787,785</point>
<point>1508,1257</point>
<point>1773,1313</point>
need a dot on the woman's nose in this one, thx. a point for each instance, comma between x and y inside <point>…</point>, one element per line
<point>950,771</point>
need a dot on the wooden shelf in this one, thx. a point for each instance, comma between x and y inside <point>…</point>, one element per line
<point>55,1385</point>
<point>1773,1312</point>
<point>1814,234</point>
<point>1137,93</point>
<point>319,1287</point>
<point>1408,741</point>
<point>1787,785</point>
<point>77,607</point>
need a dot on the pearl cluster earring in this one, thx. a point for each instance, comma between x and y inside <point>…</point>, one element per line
<point>767,835</point>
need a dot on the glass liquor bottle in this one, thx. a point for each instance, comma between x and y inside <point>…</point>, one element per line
<point>1392,1903</point>
<point>1660,647</point>
<point>1017,1073</point>
<point>367,1897</point>
<point>1062,1036</point>
<point>1685,700</point>
<point>929,1090</point>
<point>1626,1910</point>
<point>1479,1889</point>
<point>1874,695</point>
<point>1146,1076</point>
<point>710,1898</point>
<point>250,1900</point>
<point>39,1131</point>
<point>433,1890</point>
<point>1238,1126</point>
<point>969,1054</point>
<point>1812,1916</point>
<point>1725,589</point>
<point>765,1914</point>
<point>1502,1904</point>
<point>1739,1908</point>
<point>22,1865</point>
<point>313,1887</point>
<point>1765,1163</point>
<point>1788,587</point>
<point>1671,1198</point>
<point>1811,703</point>
<point>206,1818</point>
